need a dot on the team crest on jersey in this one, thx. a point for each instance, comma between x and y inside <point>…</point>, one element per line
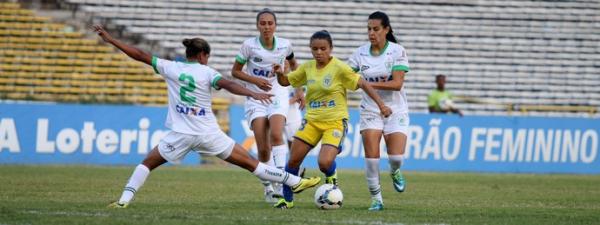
<point>275,103</point>
<point>364,67</point>
<point>257,59</point>
<point>327,80</point>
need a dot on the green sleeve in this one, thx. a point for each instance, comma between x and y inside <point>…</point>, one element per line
<point>401,68</point>
<point>240,59</point>
<point>154,66</point>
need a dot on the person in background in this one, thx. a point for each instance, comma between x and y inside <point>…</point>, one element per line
<point>440,100</point>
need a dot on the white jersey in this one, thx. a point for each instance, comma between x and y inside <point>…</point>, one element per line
<point>259,61</point>
<point>379,68</point>
<point>189,84</point>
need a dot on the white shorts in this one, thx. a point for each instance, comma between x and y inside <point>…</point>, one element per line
<point>293,121</point>
<point>397,122</point>
<point>175,146</point>
<point>256,109</point>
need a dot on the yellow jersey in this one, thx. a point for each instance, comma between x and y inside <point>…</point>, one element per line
<point>325,88</point>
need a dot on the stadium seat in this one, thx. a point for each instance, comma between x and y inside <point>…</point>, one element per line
<point>486,50</point>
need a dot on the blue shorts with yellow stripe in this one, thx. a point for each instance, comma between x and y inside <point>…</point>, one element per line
<point>328,132</point>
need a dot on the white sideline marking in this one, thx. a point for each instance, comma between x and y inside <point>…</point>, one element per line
<point>63,213</point>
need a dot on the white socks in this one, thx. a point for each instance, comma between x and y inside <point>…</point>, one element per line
<point>136,180</point>
<point>279,153</point>
<point>372,172</point>
<point>395,162</point>
<point>266,172</point>
<point>266,183</point>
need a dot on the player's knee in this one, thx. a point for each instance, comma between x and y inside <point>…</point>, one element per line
<point>276,137</point>
<point>293,163</point>
<point>324,165</point>
<point>264,157</point>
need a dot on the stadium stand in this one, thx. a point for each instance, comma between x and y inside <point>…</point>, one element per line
<point>44,61</point>
<point>41,60</point>
<point>502,57</point>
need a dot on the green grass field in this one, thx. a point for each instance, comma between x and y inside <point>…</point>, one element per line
<point>223,195</point>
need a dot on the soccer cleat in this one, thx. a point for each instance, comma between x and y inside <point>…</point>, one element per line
<point>283,204</point>
<point>305,183</point>
<point>302,172</point>
<point>270,196</point>
<point>333,179</point>
<point>117,205</point>
<point>398,180</point>
<point>376,205</point>
<point>277,190</point>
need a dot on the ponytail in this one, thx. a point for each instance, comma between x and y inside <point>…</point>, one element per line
<point>194,46</point>
<point>390,36</point>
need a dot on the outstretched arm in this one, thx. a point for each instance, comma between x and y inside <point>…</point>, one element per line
<point>131,51</point>
<point>237,89</point>
<point>385,111</point>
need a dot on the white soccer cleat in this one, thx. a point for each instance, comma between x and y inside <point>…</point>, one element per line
<point>270,196</point>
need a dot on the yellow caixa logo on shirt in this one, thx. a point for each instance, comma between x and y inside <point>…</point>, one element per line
<point>327,80</point>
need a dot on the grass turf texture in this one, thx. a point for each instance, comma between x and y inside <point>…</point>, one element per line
<point>220,195</point>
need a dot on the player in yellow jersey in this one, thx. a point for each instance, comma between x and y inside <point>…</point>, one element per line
<point>326,79</point>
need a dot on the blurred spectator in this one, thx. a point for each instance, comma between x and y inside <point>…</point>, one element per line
<point>440,100</point>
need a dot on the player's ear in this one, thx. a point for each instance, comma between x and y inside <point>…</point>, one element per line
<point>202,57</point>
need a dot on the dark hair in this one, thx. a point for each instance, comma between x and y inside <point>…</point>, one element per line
<point>322,34</point>
<point>385,22</point>
<point>440,76</point>
<point>194,46</point>
<point>266,10</point>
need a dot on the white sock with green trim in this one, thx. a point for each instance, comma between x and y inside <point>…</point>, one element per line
<point>266,172</point>
<point>372,173</point>
<point>280,155</point>
<point>136,180</point>
<point>395,162</point>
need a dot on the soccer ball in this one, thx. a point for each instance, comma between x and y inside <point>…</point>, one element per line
<point>328,196</point>
<point>446,104</point>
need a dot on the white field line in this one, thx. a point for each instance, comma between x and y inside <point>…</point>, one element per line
<point>266,219</point>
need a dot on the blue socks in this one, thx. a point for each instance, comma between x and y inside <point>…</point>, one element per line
<point>288,195</point>
<point>331,170</point>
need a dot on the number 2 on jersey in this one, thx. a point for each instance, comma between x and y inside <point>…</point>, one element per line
<point>191,86</point>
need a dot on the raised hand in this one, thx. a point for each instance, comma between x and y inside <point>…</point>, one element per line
<point>102,33</point>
